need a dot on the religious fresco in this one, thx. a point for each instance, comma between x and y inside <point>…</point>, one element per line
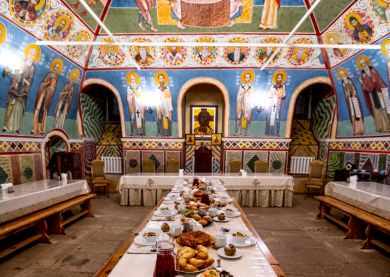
<point>172,16</point>
<point>363,23</point>
<point>96,5</point>
<point>363,86</point>
<point>53,22</point>
<point>28,12</point>
<point>111,54</point>
<point>182,57</point>
<point>39,85</point>
<point>258,99</point>
<point>77,51</point>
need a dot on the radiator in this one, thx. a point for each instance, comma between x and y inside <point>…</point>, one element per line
<point>300,165</point>
<point>112,165</point>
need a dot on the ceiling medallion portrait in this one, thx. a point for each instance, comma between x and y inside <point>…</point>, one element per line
<point>111,54</point>
<point>263,53</point>
<point>173,55</point>
<point>236,55</point>
<point>300,55</point>
<point>205,55</point>
<point>143,55</point>
<point>76,51</point>
<point>359,26</point>
<point>29,12</point>
<point>58,26</point>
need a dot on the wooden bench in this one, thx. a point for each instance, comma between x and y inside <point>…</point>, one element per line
<point>361,224</point>
<point>40,222</point>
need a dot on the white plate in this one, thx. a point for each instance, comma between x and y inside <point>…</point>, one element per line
<point>225,200</point>
<point>173,199</point>
<point>217,220</point>
<point>249,242</point>
<point>235,214</point>
<point>158,213</point>
<point>221,252</point>
<point>141,241</point>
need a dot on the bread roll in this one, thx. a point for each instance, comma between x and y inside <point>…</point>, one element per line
<point>196,262</point>
<point>207,263</point>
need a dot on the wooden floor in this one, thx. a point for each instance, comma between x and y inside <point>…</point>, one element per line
<point>303,245</point>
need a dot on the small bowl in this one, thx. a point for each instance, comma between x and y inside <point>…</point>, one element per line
<point>240,236</point>
<point>165,211</point>
<point>230,212</point>
<point>150,236</point>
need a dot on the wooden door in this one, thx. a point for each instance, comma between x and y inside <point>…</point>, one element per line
<point>203,158</point>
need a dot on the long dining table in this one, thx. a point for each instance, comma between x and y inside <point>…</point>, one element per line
<point>252,190</point>
<point>135,259</point>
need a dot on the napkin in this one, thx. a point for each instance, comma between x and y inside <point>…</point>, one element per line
<point>6,186</point>
<point>353,180</point>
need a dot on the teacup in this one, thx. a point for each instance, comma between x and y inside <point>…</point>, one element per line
<point>165,210</point>
<point>229,211</point>
<point>150,236</point>
<point>175,230</point>
<point>220,240</point>
<point>213,212</point>
<point>240,236</point>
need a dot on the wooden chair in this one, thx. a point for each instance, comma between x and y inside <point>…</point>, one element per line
<point>149,166</point>
<point>98,177</point>
<point>172,166</point>
<point>234,166</point>
<point>261,166</point>
<point>316,179</point>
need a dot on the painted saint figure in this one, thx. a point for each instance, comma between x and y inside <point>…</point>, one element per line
<point>144,7</point>
<point>44,97</point>
<point>65,99</point>
<point>19,88</point>
<point>58,32</point>
<point>204,119</point>
<point>235,11</point>
<point>244,103</point>
<point>386,53</point>
<point>176,13</point>
<point>136,105</point>
<point>164,108</point>
<point>277,96</point>
<point>143,57</point>
<point>362,33</point>
<point>236,56</point>
<point>375,93</point>
<point>269,17</point>
<point>353,102</point>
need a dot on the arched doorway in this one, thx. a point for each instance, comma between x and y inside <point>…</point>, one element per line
<point>310,120</point>
<point>56,143</point>
<point>197,98</point>
<point>103,121</point>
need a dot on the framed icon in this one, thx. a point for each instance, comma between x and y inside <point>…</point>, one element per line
<point>216,139</point>
<point>190,139</point>
<point>204,120</point>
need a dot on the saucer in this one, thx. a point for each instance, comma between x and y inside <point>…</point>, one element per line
<point>224,200</point>
<point>221,253</point>
<point>235,214</point>
<point>249,242</point>
<point>142,241</point>
<point>217,220</point>
<point>158,213</point>
<point>173,199</point>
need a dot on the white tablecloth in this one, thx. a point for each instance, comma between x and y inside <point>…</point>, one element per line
<point>34,196</point>
<point>369,196</point>
<point>253,190</point>
<point>252,264</point>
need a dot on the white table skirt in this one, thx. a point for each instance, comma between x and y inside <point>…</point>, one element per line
<point>369,196</point>
<point>252,264</point>
<point>34,196</point>
<point>254,190</point>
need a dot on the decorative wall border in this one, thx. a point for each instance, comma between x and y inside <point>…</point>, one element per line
<point>153,143</point>
<point>261,144</point>
<point>360,145</point>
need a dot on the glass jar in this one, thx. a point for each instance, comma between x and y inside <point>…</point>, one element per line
<point>165,262</point>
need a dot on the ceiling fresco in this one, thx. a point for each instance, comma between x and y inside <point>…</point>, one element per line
<point>253,21</point>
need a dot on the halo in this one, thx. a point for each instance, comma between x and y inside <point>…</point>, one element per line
<point>58,19</point>
<point>3,34</point>
<point>81,36</point>
<point>331,35</point>
<point>358,18</point>
<point>57,61</point>
<point>342,69</point>
<point>384,44</point>
<point>132,73</point>
<point>74,75</point>
<point>382,3</point>
<point>37,50</point>
<point>39,5</point>
<point>279,72</point>
<point>161,73</point>
<point>250,72</point>
<point>362,57</point>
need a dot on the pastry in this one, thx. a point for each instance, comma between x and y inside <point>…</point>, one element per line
<point>203,222</point>
<point>208,218</point>
<point>230,250</point>
<point>165,227</point>
<point>194,238</point>
<point>221,216</point>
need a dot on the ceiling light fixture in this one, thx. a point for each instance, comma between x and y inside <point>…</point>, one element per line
<point>104,27</point>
